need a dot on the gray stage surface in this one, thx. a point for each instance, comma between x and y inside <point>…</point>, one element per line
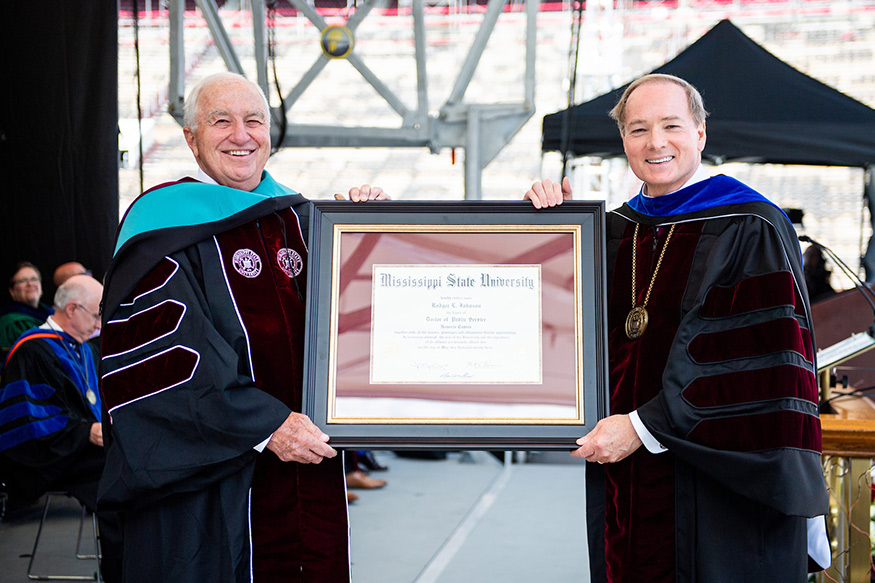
<point>464,519</point>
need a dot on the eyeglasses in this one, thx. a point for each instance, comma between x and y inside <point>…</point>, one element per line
<point>26,280</point>
<point>93,315</point>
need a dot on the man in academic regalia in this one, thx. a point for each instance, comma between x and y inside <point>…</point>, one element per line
<point>711,369</point>
<point>218,475</point>
<point>50,412</point>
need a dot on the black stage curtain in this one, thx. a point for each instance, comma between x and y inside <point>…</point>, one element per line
<point>58,135</point>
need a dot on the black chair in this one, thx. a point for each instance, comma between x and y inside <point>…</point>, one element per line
<point>79,554</point>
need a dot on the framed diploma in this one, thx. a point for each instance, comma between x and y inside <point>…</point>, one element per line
<point>456,325</point>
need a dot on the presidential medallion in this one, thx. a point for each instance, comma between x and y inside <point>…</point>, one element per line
<point>636,322</point>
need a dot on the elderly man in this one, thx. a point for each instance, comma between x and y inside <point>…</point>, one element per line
<point>219,475</point>
<point>51,437</point>
<point>711,369</point>
<point>25,310</point>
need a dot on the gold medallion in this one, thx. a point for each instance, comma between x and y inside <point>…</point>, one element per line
<point>92,396</point>
<point>636,322</point>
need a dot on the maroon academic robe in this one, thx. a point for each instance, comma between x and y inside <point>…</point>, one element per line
<point>202,361</point>
<point>724,378</point>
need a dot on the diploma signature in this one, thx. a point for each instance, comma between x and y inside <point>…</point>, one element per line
<point>456,375</point>
<point>428,365</point>
<point>481,365</point>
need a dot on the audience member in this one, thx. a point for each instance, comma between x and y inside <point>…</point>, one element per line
<point>51,436</point>
<point>25,310</point>
<point>65,271</point>
<point>817,275</point>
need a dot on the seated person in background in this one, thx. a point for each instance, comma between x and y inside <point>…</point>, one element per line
<point>65,271</point>
<point>816,274</point>
<point>25,310</point>
<point>50,432</point>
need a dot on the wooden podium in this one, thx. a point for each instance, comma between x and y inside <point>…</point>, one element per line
<point>848,435</point>
<point>848,450</point>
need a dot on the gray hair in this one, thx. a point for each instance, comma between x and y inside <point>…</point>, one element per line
<point>190,110</point>
<point>72,290</point>
<point>694,98</point>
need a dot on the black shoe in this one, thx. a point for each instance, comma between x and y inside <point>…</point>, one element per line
<point>367,459</point>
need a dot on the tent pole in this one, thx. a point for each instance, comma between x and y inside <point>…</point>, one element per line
<point>473,164</point>
<point>576,20</point>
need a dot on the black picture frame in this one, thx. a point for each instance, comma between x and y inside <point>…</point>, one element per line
<point>345,236</point>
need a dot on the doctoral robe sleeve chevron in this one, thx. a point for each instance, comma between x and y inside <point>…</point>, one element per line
<point>739,392</point>
<point>177,383</point>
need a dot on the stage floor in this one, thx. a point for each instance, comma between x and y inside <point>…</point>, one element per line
<point>464,519</point>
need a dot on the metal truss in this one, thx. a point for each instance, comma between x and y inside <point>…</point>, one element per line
<point>482,129</point>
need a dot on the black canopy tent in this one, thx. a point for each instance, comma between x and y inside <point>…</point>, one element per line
<point>762,110</point>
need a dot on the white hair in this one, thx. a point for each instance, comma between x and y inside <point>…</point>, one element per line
<point>190,110</point>
<point>72,290</point>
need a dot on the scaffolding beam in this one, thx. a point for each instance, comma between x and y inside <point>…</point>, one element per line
<point>482,129</point>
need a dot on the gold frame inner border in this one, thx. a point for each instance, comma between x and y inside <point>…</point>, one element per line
<point>340,229</point>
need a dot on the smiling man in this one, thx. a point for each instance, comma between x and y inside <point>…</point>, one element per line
<point>662,136</point>
<point>229,133</point>
<point>711,370</point>
<point>218,474</point>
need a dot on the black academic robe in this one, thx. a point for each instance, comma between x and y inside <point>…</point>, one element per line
<point>723,377</point>
<point>202,360</point>
<point>45,429</point>
<point>53,414</point>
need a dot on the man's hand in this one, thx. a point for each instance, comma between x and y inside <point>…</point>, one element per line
<point>547,193</point>
<point>298,440</point>
<point>364,194</point>
<point>612,440</point>
<point>96,434</point>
